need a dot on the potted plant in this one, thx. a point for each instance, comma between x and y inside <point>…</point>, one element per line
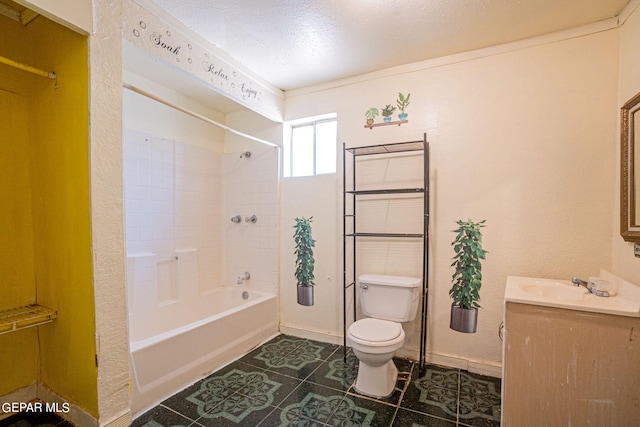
<point>371,114</point>
<point>387,111</point>
<point>467,278</point>
<point>402,103</point>
<point>304,260</point>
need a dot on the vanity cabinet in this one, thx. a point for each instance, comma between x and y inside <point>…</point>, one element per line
<point>569,368</point>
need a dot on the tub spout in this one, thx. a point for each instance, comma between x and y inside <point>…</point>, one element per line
<point>245,276</point>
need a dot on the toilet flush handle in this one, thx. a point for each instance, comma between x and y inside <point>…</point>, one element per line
<point>363,286</point>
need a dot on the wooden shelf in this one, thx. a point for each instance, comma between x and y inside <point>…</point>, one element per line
<point>18,318</point>
<point>397,122</point>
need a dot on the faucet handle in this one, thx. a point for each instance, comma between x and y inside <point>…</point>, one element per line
<point>578,282</point>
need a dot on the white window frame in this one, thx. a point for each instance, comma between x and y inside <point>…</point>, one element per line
<point>288,152</point>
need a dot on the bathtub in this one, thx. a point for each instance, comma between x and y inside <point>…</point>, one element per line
<point>177,347</point>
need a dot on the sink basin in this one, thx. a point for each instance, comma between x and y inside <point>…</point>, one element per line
<point>555,290</point>
<point>564,294</point>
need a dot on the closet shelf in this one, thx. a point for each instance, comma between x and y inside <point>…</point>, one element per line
<point>14,319</point>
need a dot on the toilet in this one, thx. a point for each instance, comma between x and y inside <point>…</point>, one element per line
<point>386,301</point>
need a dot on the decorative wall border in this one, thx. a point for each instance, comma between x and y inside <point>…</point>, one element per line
<point>147,31</point>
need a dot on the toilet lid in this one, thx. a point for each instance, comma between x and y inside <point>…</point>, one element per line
<point>376,330</point>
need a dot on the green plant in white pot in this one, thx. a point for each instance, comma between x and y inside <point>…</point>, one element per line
<point>467,278</point>
<point>304,244</point>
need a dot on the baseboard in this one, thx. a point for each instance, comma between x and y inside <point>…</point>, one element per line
<point>482,367</point>
<point>25,394</point>
<point>123,420</point>
<point>73,413</point>
<point>322,336</point>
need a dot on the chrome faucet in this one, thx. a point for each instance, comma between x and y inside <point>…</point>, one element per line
<point>245,276</point>
<point>590,287</point>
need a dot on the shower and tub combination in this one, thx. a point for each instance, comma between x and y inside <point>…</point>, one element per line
<point>201,289</point>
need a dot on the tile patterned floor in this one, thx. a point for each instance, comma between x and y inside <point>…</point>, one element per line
<point>33,419</point>
<point>296,382</point>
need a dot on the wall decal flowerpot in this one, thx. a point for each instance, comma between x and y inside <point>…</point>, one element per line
<point>467,278</point>
<point>463,320</point>
<point>387,112</point>
<point>403,102</point>
<point>304,244</point>
<point>371,114</point>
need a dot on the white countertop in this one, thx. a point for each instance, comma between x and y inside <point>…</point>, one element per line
<point>564,294</point>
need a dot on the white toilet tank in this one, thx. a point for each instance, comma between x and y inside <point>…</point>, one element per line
<point>394,298</point>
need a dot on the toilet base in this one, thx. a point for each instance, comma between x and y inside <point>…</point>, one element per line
<point>376,381</point>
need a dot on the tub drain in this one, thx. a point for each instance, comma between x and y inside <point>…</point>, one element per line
<point>245,295</point>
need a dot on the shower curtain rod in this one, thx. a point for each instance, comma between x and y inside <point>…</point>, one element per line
<point>193,114</point>
<point>28,68</point>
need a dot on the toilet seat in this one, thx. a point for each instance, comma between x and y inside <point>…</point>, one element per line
<point>375,330</point>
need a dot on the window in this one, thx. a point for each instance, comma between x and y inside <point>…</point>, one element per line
<point>310,147</point>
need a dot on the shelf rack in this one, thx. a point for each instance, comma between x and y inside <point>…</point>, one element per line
<point>15,319</point>
<point>350,238</point>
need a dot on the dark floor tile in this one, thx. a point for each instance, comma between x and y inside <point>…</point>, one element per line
<point>407,418</point>
<point>181,402</point>
<point>478,422</point>
<point>275,395</point>
<point>207,394</point>
<point>238,397</point>
<point>469,378</point>
<point>161,417</point>
<point>237,410</point>
<point>434,393</point>
<point>438,376</point>
<point>357,411</point>
<point>291,356</point>
<point>335,372</point>
<point>479,400</point>
<point>290,418</point>
<point>311,401</point>
<point>29,419</point>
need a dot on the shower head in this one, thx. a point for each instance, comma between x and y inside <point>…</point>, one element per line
<point>246,154</point>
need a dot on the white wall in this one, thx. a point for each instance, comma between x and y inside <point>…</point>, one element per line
<point>107,214</point>
<point>624,263</point>
<point>525,139</point>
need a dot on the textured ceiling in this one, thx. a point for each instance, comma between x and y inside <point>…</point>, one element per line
<point>296,43</point>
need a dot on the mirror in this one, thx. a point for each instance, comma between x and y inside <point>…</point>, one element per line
<point>630,178</point>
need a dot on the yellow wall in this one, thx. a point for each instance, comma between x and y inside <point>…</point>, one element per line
<point>57,210</point>
<point>18,368</point>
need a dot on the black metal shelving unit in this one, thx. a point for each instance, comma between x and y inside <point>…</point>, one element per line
<point>351,238</point>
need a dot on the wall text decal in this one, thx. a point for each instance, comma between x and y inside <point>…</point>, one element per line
<point>147,31</point>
